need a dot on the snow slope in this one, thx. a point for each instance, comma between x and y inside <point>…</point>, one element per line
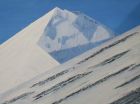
<point>69,34</point>
<point>21,58</point>
<point>107,74</point>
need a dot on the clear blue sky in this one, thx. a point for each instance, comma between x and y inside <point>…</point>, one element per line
<point>119,15</point>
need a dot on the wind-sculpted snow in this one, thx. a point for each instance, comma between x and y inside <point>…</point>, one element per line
<point>131,98</point>
<point>110,46</point>
<point>109,74</point>
<point>112,59</point>
<point>131,80</point>
<point>61,85</point>
<point>66,71</point>
<point>92,85</point>
<point>50,78</point>
<point>22,96</point>
<point>135,67</point>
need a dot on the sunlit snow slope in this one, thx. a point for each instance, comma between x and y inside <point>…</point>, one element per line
<point>21,58</point>
<point>104,75</point>
<point>69,34</point>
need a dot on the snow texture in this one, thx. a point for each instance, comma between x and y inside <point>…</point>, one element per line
<point>21,58</point>
<point>107,74</point>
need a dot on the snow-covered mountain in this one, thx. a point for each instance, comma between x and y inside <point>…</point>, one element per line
<point>108,74</point>
<point>69,34</point>
<point>21,58</point>
<point>61,33</point>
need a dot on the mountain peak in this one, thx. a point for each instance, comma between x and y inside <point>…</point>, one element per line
<point>67,30</point>
<point>56,11</point>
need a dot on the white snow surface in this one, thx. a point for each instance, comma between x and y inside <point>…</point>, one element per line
<point>21,58</point>
<point>91,78</point>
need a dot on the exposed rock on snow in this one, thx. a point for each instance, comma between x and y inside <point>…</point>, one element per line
<point>107,74</point>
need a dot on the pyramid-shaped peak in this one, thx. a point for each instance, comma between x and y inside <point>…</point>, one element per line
<point>61,12</point>
<point>67,30</point>
<point>57,10</point>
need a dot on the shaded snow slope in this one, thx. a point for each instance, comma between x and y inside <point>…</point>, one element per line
<point>21,58</point>
<point>67,30</point>
<point>107,74</point>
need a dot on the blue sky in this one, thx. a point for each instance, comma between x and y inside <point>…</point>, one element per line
<point>118,15</point>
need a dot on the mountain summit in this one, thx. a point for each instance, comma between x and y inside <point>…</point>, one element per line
<point>69,34</point>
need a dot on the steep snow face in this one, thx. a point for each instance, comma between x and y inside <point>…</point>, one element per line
<point>21,58</point>
<point>100,76</point>
<point>67,30</point>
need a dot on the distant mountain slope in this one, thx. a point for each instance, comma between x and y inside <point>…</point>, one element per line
<point>67,30</point>
<point>104,75</point>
